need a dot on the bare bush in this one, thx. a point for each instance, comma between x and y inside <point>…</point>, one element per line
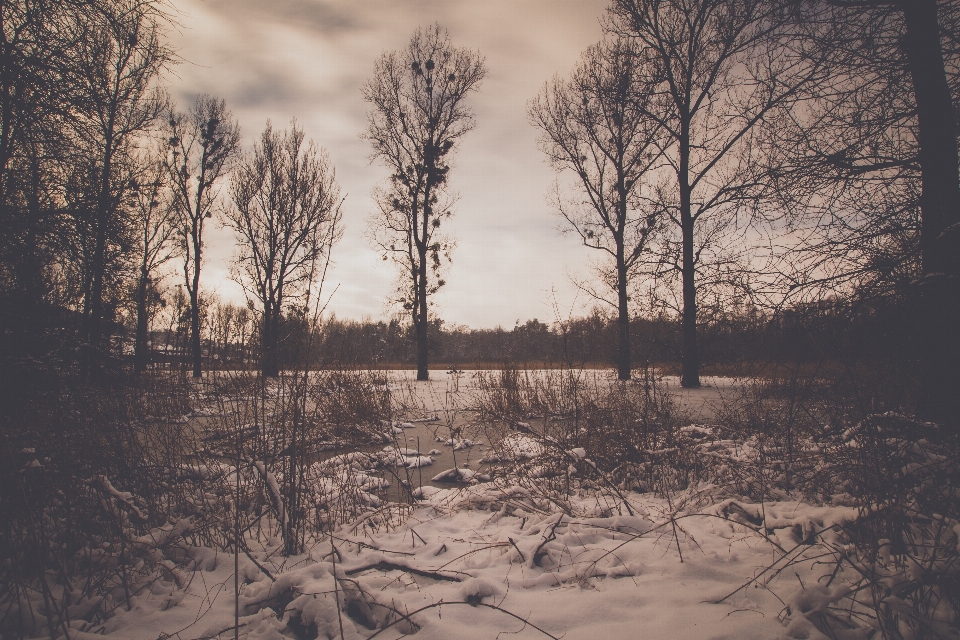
<point>87,525</point>
<point>573,430</point>
<point>894,567</point>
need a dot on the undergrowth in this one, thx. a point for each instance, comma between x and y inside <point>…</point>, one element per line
<point>125,490</point>
<point>892,571</point>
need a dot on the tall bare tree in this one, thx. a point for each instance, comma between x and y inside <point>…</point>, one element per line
<point>35,36</point>
<point>28,64</point>
<point>870,161</point>
<point>417,117</point>
<point>203,143</point>
<point>117,99</point>
<point>724,71</point>
<point>939,206</point>
<point>40,41</point>
<point>286,214</point>
<point>155,226</point>
<point>595,126</point>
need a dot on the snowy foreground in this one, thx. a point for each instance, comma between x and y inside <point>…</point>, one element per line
<point>490,562</point>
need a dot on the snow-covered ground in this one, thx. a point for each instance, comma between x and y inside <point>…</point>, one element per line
<point>502,559</point>
<point>703,404</point>
<point>487,562</point>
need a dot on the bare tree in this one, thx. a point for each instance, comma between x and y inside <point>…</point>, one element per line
<point>33,40</point>
<point>118,63</point>
<point>286,214</point>
<point>154,222</point>
<point>878,150</point>
<point>227,330</point>
<point>28,63</point>
<point>203,144</point>
<point>724,71</point>
<point>417,117</point>
<point>596,126</point>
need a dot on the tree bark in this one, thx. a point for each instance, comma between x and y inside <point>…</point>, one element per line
<point>690,366</point>
<point>269,362</point>
<point>193,283</point>
<point>140,354</point>
<point>422,371</point>
<point>94,306</point>
<point>623,318</point>
<point>195,345</point>
<point>291,528</point>
<point>940,211</point>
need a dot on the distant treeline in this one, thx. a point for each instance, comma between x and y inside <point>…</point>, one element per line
<point>828,331</point>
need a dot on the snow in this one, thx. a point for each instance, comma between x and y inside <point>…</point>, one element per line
<point>490,557</point>
<point>422,493</point>
<point>484,559</point>
<point>516,446</point>
<point>123,498</point>
<point>457,474</point>
<point>402,451</point>
<point>458,444</point>
<point>415,462</point>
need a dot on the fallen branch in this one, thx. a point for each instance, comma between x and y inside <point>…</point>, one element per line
<point>522,558</point>
<point>384,565</point>
<point>464,555</point>
<point>539,553</point>
<point>441,603</point>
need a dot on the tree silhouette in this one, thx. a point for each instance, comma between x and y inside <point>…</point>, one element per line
<point>154,223</point>
<point>417,117</point>
<point>596,126</point>
<point>286,214</point>
<point>203,144</point>
<point>724,71</point>
<point>870,161</point>
<point>117,66</point>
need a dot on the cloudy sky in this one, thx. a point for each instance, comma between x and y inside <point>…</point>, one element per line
<point>308,59</point>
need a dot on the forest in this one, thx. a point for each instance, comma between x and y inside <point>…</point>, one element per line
<point>761,402</point>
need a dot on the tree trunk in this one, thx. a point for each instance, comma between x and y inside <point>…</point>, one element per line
<point>31,276</point>
<point>94,306</point>
<point>623,319</point>
<point>690,367</point>
<point>195,345</point>
<point>95,309</point>
<point>422,372</point>
<point>940,211</point>
<point>140,354</point>
<point>289,527</point>
<point>269,363</point>
<point>291,539</point>
<point>194,286</point>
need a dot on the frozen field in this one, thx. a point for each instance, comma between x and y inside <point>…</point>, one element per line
<point>484,563</point>
<point>497,560</point>
<point>446,405</point>
<point>621,521</point>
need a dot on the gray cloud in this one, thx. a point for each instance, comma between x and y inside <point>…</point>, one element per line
<point>309,58</point>
<point>328,18</point>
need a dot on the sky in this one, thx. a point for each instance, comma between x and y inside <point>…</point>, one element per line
<point>308,59</point>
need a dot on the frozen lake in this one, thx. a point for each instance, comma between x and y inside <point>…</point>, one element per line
<point>445,408</point>
<point>439,418</point>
